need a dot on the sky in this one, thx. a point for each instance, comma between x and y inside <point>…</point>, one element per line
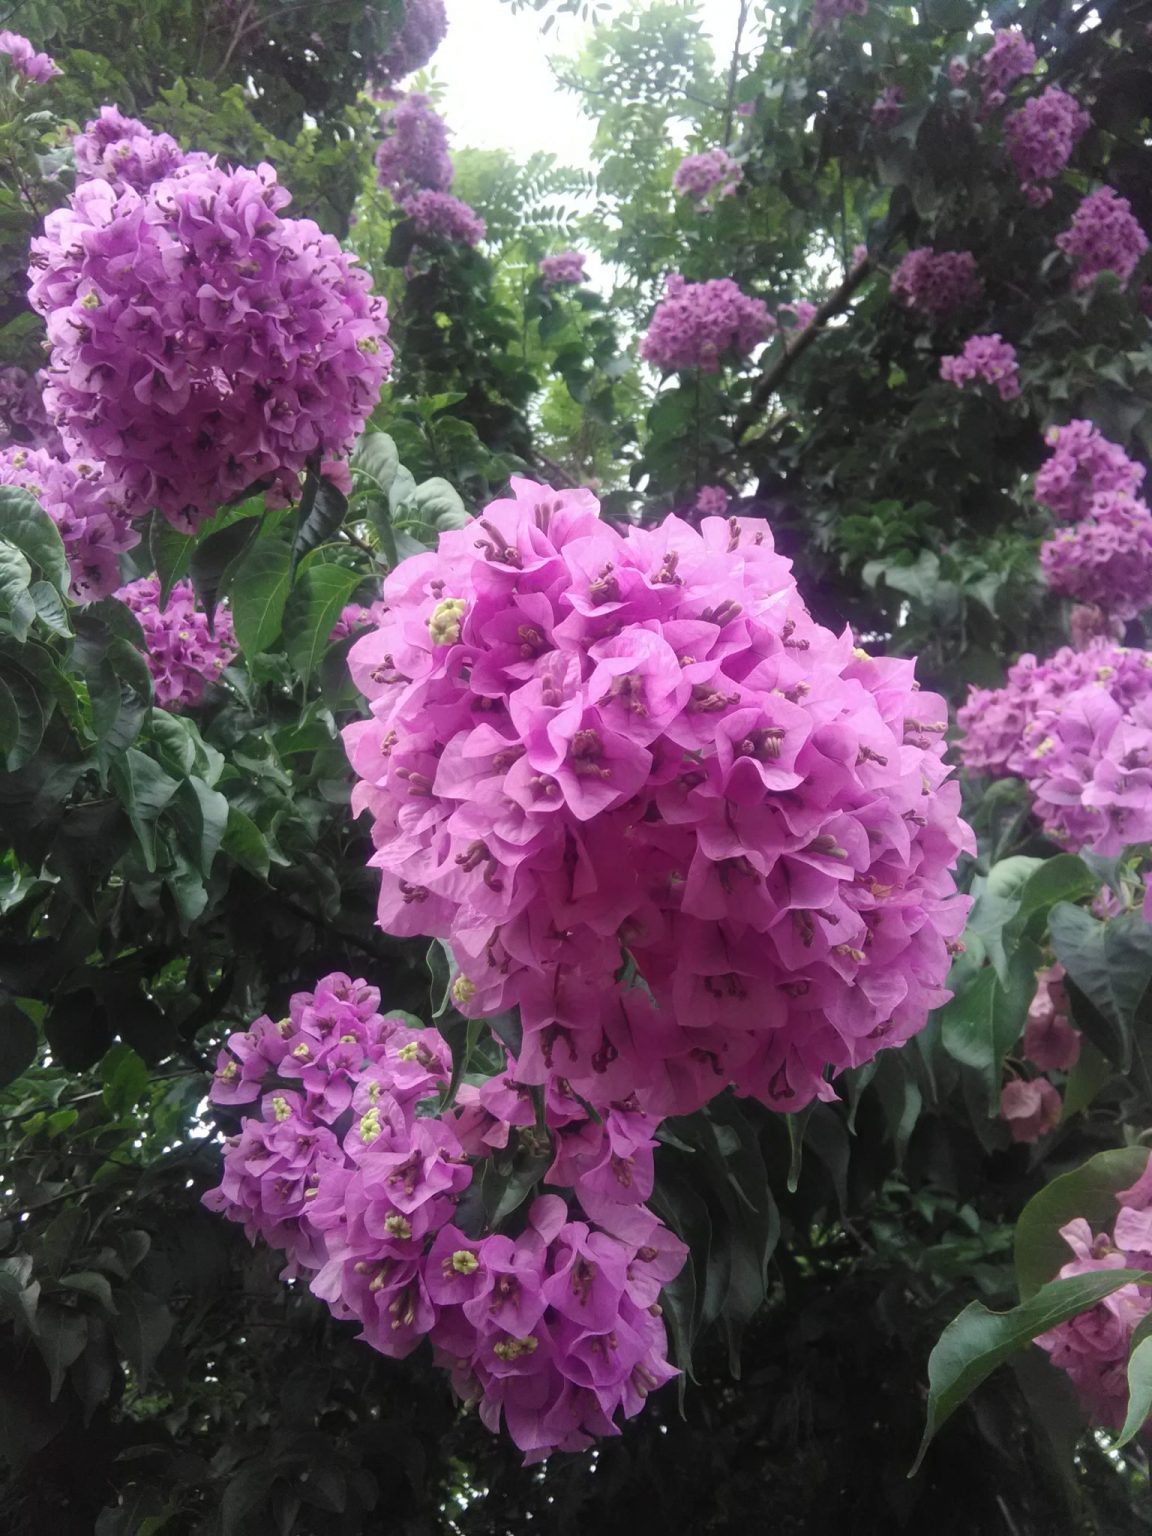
<point>500,93</point>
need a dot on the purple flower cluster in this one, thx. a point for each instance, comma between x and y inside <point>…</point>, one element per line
<point>414,151</point>
<point>1093,1347</point>
<point>201,343</point>
<point>708,177</point>
<point>1104,236</point>
<point>1031,1106</point>
<point>1010,56</point>
<point>444,217</point>
<point>35,67</point>
<point>126,152</point>
<point>989,358</point>
<point>91,520</point>
<point>183,656</point>
<point>1083,465</point>
<point>711,501</point>
<point>1050,1040</point>
<point>355,617</point>
<point>1105,559</point>
<point>936,283</point>
<point>23,420</point>
<point>698,325</point>
<point>564,270</point>
<point>355,1177</point>
<point>592,754</point>
<point>802,313</point>
<point>829,13</point>
<point>888,107</point>
<point>421,33</point>
<point>1041,136</point>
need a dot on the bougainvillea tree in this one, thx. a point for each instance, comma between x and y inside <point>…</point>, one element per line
<point>576,776</point>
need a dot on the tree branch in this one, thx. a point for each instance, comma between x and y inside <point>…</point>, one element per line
<point>730,102</point>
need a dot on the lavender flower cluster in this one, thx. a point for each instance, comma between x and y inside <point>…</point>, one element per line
<point>564,270</point>
<point>92,521</point>
<point>413,153</point>
<point>937,283</point>
<point>708,177</point>
<point>182,653</point>
<point>36,68</point>
<point>700,325</point>
<point>1008,59</point>
<point>1041,136</point>
<point>1104,236</point>
<point>988,358</point>
<point>421,32</point>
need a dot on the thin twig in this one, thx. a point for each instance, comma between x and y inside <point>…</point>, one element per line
<point>733,70</point>
<point>555,470</point>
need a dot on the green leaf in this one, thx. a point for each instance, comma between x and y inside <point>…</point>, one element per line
<point>145,791</point>
<point>34,533</point>
<point>216,559</point>
<point>1063,878</point>
<point>984,1020</point>
<point>1139,1383</point>
<point>125,1079</point>
<point>18,1043</point>
<point>202,813</point>
<point>171,553</point>
<point>23,716</point>
<point>259,591</point>
<point>50,609</point>
<point>375,462</point>
<point>16,605</point>
<point>61,1334</point>
<point>976,1342</point>
<point>438,503</point>
<point>322,510</point>
<point>1088,1191</point>
<point>142,1327</point>
<point>87,1282</point>
<point>244,842</point>
<point>313,608</point>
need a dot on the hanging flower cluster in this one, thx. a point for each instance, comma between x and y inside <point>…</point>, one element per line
<point>1041,136</point>
<point>1105,560</point>
<point>421,33</point>
<point>23,420</point>
<point>37,68</point>
<point>1093,1347</point>
<point>1031,1107</point>
<point>592,755</point>
<point>183,655</point>
<point>1050,1039</point>
<point>1104,236</point>
<point>936,283</point>
<point>708,177</point>
<point>349,1170</point>
<point>829,13</point>
<point>201,343</point>
<point>414,150</point>
<point>564,270</point>
<point>988,358</point>
<point>1083,464</point>
<point>700,325</point>
<point>1010,57</point>
<point>444,217</point>
<point>92,521</point>
<point>124,151</point>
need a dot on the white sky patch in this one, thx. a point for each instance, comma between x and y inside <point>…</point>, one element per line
<point>499,88</point>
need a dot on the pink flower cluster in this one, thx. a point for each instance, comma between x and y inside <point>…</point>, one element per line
<point>35,67</point>
<point>23,420</point>
<point>1078,729</point>
<point>1093,1347</point>
<point>414,151</point>
<point>1104,236</point>
<point>1010,56</point>
<point>801,315</point>
<point>698,325</point>
<point>183,656</point>
<point>1031,1107</point>
<point>564,270</point>
<point>1105,559</point>
<point>708,177</point>
<point>711,501</point>
<point>1083,465</point>
<point>442,216</point>
<point>201,343</point>
<point>937,282</point>
<point>354,617</point>
<point>829,13</point>
<point>1041,136</point>
<point>593,756</point>
<point>352,1173</point>
<point>126,152</point>
<point>421,33</point>
<point>90,517</point>
<point>989,358</point>
<point>1050,1040</point>
<point>888,107</point>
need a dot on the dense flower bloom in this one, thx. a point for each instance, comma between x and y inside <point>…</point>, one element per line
<point>989,358</point>
<point>1093,1347</point>
<point>127,153</point>
<point>1106,558</point>
<point>23,420</point>
<point>36,67</point>
<point>563,270</point>
<point>421,33</point>
<point>1049,1037</point>
<point>1010,56</point>
<point>1031,1107</point>
<point>829,13</point>
<point>711,501</point>
<point>443,216</point>
<point>888,107</point>
<point>201,343</point>
<point>414,151</point>
<point>183,656</point>
<point>936,282</point>
<point>556,1332</point>
<point>708,177</point>
<point>1041,136</point>
<point>1104,236</point>
<point>591,753</point>
<point>1083,465</point>
<point>87,511</point>
<point>698,325</point>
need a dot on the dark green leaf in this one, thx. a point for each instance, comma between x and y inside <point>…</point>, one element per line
<point>322,511</point>
<point>33,532</point>
<point>145,792</point>
<point>259,591</point>
<point>313,608</point>
<point>1088,1191</point>
<point>18,1043</point>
